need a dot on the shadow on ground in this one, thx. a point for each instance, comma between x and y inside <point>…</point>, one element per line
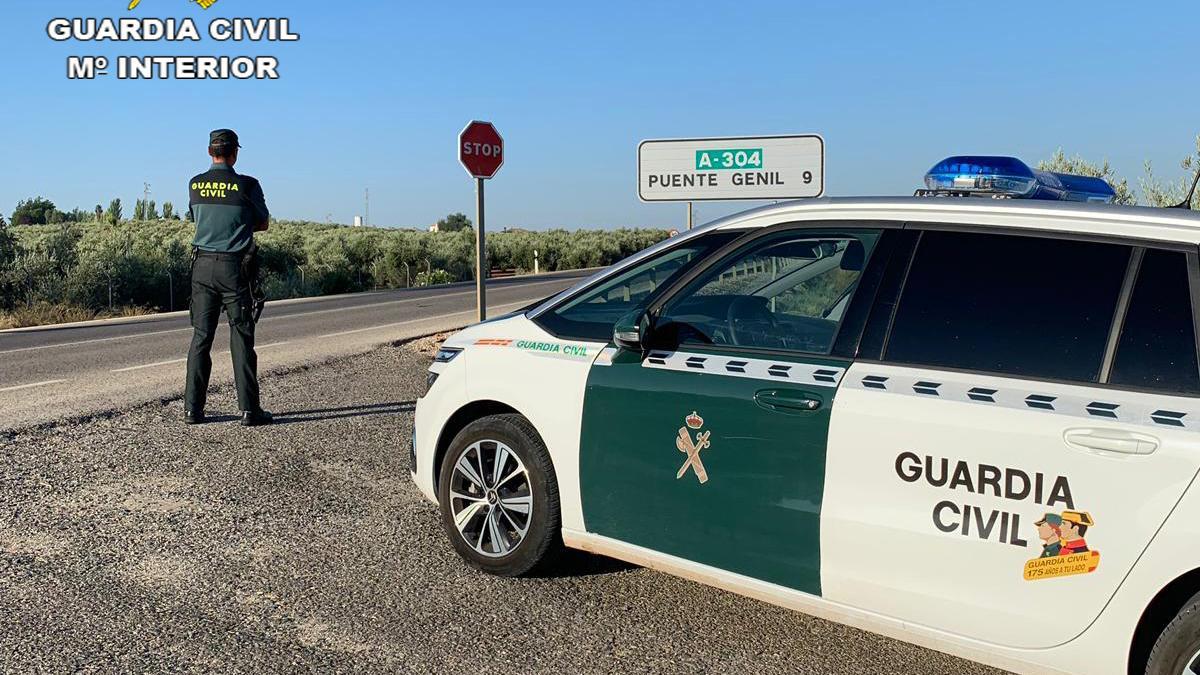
<point>574,563</point>
<point>316,415</point>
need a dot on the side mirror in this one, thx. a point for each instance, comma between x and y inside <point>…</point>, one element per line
<point>629,332</point>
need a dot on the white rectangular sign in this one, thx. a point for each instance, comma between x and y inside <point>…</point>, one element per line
<point>748,167</point>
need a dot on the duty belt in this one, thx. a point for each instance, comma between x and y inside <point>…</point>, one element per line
<point>250,272</point>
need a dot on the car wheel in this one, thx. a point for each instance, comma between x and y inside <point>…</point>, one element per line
<point>1177,651</point>
<point>499,496</point>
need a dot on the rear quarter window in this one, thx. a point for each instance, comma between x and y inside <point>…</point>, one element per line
<point>1157,347</point>
<point>1016,305</point>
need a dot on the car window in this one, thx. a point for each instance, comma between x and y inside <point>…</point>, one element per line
<point>590,315</point>
<point>1015,305</point>
<point>1157,349</point>
<point>786,292</point>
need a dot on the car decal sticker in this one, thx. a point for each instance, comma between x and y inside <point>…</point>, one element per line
<point>692,447</point>
<point>1064,550</point>
<point>563,350</point>
<point>759,369</point>
<point>1108,405</point>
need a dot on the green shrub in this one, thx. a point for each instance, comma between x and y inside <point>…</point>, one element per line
<point>100,267</point>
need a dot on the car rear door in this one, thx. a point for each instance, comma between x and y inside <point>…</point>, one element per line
<point>1014,434</point>
<point>710,446</point>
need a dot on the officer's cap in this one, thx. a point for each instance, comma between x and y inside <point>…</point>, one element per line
<point>224,137</point>
<point>1054,519</point>
<point>1078,517</point>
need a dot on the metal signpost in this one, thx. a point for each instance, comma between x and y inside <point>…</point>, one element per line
<point>481,151</point>
<point>747,167</point>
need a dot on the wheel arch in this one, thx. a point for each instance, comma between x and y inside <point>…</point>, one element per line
<point>460,419</point>
<point>1157,615</point>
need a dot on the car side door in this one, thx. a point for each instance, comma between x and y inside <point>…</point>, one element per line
<point>1021,421</point>
<point>709,445</point>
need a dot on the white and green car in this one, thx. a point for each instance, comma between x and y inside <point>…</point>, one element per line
<point>971,424</point>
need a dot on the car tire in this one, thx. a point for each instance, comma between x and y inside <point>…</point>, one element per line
<point>498,497</point>
<point>1177,650</point>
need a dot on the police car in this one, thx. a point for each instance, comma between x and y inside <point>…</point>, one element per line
<point>972,424</point>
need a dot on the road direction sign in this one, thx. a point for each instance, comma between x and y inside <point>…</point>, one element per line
<point>747,167</point>
<point>481,149</point>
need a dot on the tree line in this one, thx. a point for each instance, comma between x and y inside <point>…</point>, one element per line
<point>70,269</point>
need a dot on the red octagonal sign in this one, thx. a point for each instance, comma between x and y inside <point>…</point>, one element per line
<point>480,149</point>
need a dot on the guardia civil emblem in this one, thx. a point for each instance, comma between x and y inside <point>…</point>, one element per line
<point>133,4</point>
<point>691,446</point>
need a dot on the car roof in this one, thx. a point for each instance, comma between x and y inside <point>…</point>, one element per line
<point>1140,222</point>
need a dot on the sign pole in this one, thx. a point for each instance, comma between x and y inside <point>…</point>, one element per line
<point>480,288</point>
<point>689,215</point>
<point>481,152</point>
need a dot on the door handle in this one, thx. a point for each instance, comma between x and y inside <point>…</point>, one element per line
<point>783,400</point>
<point>1111,440</point>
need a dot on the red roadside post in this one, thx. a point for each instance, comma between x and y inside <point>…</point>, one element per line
<point>481,152</point>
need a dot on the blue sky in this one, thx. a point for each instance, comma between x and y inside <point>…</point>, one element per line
<point>376,91</point>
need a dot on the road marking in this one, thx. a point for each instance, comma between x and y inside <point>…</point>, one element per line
<point>423,298</point>
<point>411,321</point>
<point>184,360</point>
<point>148,365</point>
<point>88,342</point>
<point>259,348</point>
<point>31,386</point>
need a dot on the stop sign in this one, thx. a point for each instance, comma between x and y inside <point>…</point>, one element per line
<point>480,149</point>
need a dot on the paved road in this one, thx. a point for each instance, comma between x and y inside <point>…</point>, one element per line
<point>131,543</point>
<point>61,372</point>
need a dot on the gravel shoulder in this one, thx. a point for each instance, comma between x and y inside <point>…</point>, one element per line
<point>131,542</point>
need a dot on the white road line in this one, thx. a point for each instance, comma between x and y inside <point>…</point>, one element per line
<point>31,386</point>
<point>86,342</point>
<point>184,360</point>
<point>425,298</point>
<point>259,348</point>
<point>148,365</point>
<point>411,321</point>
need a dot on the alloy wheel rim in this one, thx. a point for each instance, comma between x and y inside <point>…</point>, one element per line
<point>491,499</point>
<point>1192,665</point>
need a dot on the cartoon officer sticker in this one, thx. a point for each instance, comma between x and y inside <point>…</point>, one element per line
<point>1050,532</point>
<point>1074,525</point>
<point>1065,552</point>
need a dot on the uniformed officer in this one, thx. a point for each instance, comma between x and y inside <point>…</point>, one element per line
<point>228,208</point>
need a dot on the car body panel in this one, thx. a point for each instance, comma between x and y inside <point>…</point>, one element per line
<point>949,550</point>
<point>750,501</point>
<point>883,566</point>
<point>528,370</point>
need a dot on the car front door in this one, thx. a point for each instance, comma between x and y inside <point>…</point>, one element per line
<point>1001,458</point>
<point>710,445</point>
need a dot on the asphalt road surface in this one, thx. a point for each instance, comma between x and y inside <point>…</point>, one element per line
<point>60,372</point>
<point>129,542</point>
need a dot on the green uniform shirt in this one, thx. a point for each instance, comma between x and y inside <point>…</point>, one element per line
<point>226,206</point>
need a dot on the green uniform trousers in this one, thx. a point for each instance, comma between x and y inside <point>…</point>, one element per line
<point>218,283</point>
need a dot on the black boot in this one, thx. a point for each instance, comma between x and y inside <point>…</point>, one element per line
<point>256,418</point>
<point>193,417</point>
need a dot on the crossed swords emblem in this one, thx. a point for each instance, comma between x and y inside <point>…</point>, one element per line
<point>692,448</point>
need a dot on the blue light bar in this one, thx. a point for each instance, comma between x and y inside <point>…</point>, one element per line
<point>1009,177</point>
